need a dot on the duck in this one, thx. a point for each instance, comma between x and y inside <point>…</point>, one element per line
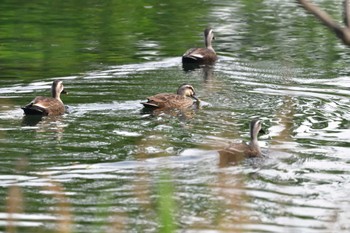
<point>236,152</point>
<point>181,100</point>
<point>48,106</point>
<point>205,55</point>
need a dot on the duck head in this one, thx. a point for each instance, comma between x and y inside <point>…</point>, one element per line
<point>255,129</point>
<point>209,37</point>
<point>187,90</point>
<point>57,89</point>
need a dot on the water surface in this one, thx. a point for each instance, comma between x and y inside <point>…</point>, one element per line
<point>104,166</point>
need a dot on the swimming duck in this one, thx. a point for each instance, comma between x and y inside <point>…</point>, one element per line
<point>205,55</point>
<point>47,105</point>
<point>238,151</point>
<point>181,100</point>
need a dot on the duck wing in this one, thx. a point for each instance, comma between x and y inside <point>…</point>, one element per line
<point>232,154</point>
<point>44,106</point>
<point>199,55</point>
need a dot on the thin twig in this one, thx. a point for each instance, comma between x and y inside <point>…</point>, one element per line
<point>321,15</point>
<point>342,32</point>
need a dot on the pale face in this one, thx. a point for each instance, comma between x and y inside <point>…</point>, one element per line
<point>258,126</point>
<point>187,90</point>
<point>255,127</point>
<point>57,88</point>
<point>211,35</point>
<point>60,87</point>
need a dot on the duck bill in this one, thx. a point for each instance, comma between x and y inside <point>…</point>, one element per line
<point>64,92</point>
<point>196,98</point>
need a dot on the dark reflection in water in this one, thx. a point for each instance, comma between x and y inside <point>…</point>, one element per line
<point>31,120</point>
<point>206,70</point>
<point>50,127</point>
<point>208,73</point>
<point>190,66</point>
<point>181,114</point>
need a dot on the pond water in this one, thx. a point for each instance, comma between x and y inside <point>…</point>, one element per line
<point>108,167</point>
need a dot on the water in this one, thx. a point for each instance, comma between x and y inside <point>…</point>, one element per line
<point>104,166</point>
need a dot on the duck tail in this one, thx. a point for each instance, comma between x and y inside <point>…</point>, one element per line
<point>34,110</point>
<point>149,105</point>
<point>190,59</point>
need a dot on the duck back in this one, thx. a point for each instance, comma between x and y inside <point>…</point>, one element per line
<point>199,55</point>
<point>167,100</point>
<point>44,106</point>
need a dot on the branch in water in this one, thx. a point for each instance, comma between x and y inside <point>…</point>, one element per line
<point>342,32</point>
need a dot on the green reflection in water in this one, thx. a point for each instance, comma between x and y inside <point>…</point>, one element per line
<point>48,39</point>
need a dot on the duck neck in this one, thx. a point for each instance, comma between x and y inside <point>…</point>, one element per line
<point>254,144</point>
<point>208,44</point>
<point>56,95</point>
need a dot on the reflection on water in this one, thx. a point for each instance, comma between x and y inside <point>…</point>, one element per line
<point>106,165</point>
<point>110,146</point>
<point>31,120</point>
<point>181,114</point>
<point>190,66</point>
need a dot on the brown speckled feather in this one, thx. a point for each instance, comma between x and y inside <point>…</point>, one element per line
<point>202,55</point>
<point>168,100</point>
<point>49,105</point>
<point>236,152</point>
